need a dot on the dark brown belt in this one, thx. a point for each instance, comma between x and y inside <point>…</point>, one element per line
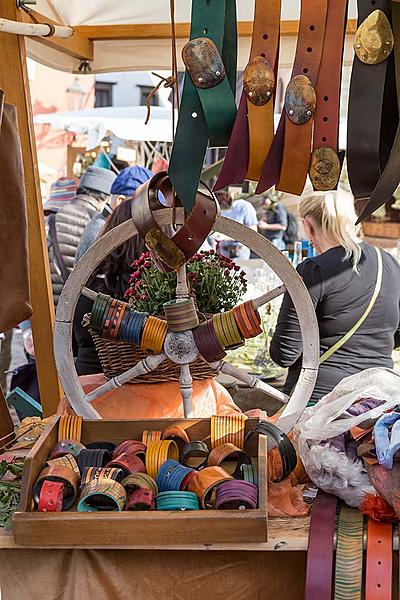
<point>288,160</point>
<point>370,128</point>
<point>325,164</point>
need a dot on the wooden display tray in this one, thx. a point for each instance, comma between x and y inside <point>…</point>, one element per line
<point>125,529</point>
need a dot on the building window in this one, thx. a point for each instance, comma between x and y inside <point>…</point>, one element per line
<point>145,90</point>
<point>103,94</point>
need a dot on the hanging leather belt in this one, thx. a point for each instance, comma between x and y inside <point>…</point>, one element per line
<point>319,576</point>
<point>325,164</point>
<point>208,108</point>
<point>390,177</point>
<point>253,131</point>
<point>378,580</point>
<point>288,160</point>
<point>349,555</point>
<point>370,128</point>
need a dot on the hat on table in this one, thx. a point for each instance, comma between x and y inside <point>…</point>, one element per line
<point>129,180</point>
<point>97,179</point>
<point>61,191</point>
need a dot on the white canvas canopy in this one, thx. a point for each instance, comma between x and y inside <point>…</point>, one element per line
<point>134,34</point>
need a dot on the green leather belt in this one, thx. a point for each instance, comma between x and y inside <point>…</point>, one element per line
<point>349,555</point>
<point>208,109</point>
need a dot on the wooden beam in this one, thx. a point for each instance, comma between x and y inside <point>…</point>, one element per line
<point>144,31</point>
<point>14,81</point>
<point>77,46</point>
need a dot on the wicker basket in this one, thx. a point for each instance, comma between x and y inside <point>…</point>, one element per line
<point>117,357</point>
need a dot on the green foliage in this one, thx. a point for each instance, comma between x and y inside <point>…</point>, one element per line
<point>10,490</point>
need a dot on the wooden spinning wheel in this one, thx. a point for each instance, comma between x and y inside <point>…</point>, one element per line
<point>180,347</point>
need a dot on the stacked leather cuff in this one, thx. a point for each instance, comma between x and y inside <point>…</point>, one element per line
<point>238,495</point>
<point>171,476</point>
<point>135,481</point>
<point>129,463</point>
<point>177,501</point>
<point>285,447</point>
<point>229,453</point>
<point>228,429</point>
<point>141,499</point>
<point>181,314</point>
<point>64,475</point>
<point>158,453</point>
<point>67,447</point>
<point>205,482</point>
<point>102,495</point>
<point>93,458</point>
<point>70,428</point>
<point>51,496</point>
<point>100,473</point>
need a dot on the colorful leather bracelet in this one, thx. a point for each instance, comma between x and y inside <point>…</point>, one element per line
<point>150,436</point>
<point>236,495</point>
<point>93,458</point>
<point>141,499</point>
<point>67,460</point>
<point>66,447</point>
<point>158,453</point>
<point>349,555</point>
<point>195,449</point>
<point>227,331</point>
<point>154,334</point>
<point>319,573</point>
<point>70,428</point>
<point>207,111</point>
<point>63,475</point>
<point>228,429</point>
<point>177,434</point>
<point>129,463</point>
<point>51,496</point>
<point>177,501</point>
<point>204,482</point>
<point>105,495</point>
<point>229,453</point>
<point>248,320</point>
<point>100,473</point>
<point>139,480</point>
<point>378,577</point>
<point>171,476</point>
<point>130,447</point>
<point>181,314</point>
<point>284,445</point>
<point>207,342</point>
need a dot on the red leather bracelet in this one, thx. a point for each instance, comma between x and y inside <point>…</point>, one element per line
<point>51,496</point>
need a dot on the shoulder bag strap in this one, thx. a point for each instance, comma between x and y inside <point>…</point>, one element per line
<point>361,320</point>
<point>57,252</point>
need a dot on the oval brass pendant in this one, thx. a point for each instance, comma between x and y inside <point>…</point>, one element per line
<point>203,62</point>
<point>300,100</point>
<point>324,169</point>
<point>258,81</point>
<point>374,39</point>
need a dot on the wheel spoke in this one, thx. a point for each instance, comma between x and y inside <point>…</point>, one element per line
<point>186,385</point>
<point>251,380</point>
<point>268,296</point>
<point>148,364</point>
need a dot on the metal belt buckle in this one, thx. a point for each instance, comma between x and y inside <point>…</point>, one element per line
<point>258,81</point>
<point>300,100</point>
<point>374,39</point>
<point>164,248</point>
<point>203,62</point>
<point>325,169</point>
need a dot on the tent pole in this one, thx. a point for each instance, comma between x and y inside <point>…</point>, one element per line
<point>14,81</point>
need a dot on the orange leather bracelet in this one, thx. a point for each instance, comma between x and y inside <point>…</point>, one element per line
<point>154,334</point>
<point>70,428</point>
<point>204,482</point>
<point>226,429</point>
<point>229,452</point>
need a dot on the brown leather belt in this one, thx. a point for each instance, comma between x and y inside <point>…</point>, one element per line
<point>325,164</point>
<point>288,160</point>
<point>253,131</point>
<point>378,579</point>
<point>370,130</point>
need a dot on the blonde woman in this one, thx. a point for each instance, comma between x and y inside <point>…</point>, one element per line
<point>355,289</point>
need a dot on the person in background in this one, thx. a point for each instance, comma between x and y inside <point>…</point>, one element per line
<point>124,186</point>
<point>341,281</point>
<point>66,226</point>
<point>273,221</point>
<point>112,278</point>
<point>62,191</point>
<point>240,211</point>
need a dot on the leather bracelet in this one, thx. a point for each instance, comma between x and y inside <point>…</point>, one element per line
<point>129,463</point>
<point>284,445</point>
<point>325,163</point>
<point>135,481</point>
<point>195,449</point>
<point>101,446</point>
<point>150,436</point>
<point>349,555</point>
<point>154,334</point>
<point>228,429</point>
<point>177,501</point>
<point>105,495</point>
<point>236,495</point>
<point>248,320</point>
<point>100,473</point>
<point>253,131</point>
<point>51,496</point>
<point>177,434</point>
<point>227,331</point>
<point>171,475</point>
<point>205,115</point>
<point>158,453</point>
<point>204,482</point>
<point>67,460</point>
<point>319,573</point>
<point>249,473</point>
<point>229,453</point>
<point>378,578</point>
<point>207,342</point>
<point>66,447</point>
<point>181,314</point>
<point>131,447</point>
<point>98,309</point>
<point>141,499</point>
<point>93,458</point>
<point>63,475</point>
<point>367,94</point>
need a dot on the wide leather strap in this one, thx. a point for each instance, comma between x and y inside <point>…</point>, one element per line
<point>297,141</point>
<point>325,164</point>
<point>349,555</point>
<point>378,579</point>
<point>319,575</point>
<point>253,131</point>
<point>205,113</point>
<point>370,130</point>
<point>390,177</point>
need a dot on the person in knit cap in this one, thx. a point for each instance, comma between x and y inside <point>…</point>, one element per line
<point>66,224</point>
<point>61,191</point>
<point>123,187</point>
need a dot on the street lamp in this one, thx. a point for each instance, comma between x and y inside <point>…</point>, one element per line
<point>76,95</point>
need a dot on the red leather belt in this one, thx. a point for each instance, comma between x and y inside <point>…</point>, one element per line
<point>378,581</point>
<point>288,161</point>
<point>319,576</point>
<point>325,164</point>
